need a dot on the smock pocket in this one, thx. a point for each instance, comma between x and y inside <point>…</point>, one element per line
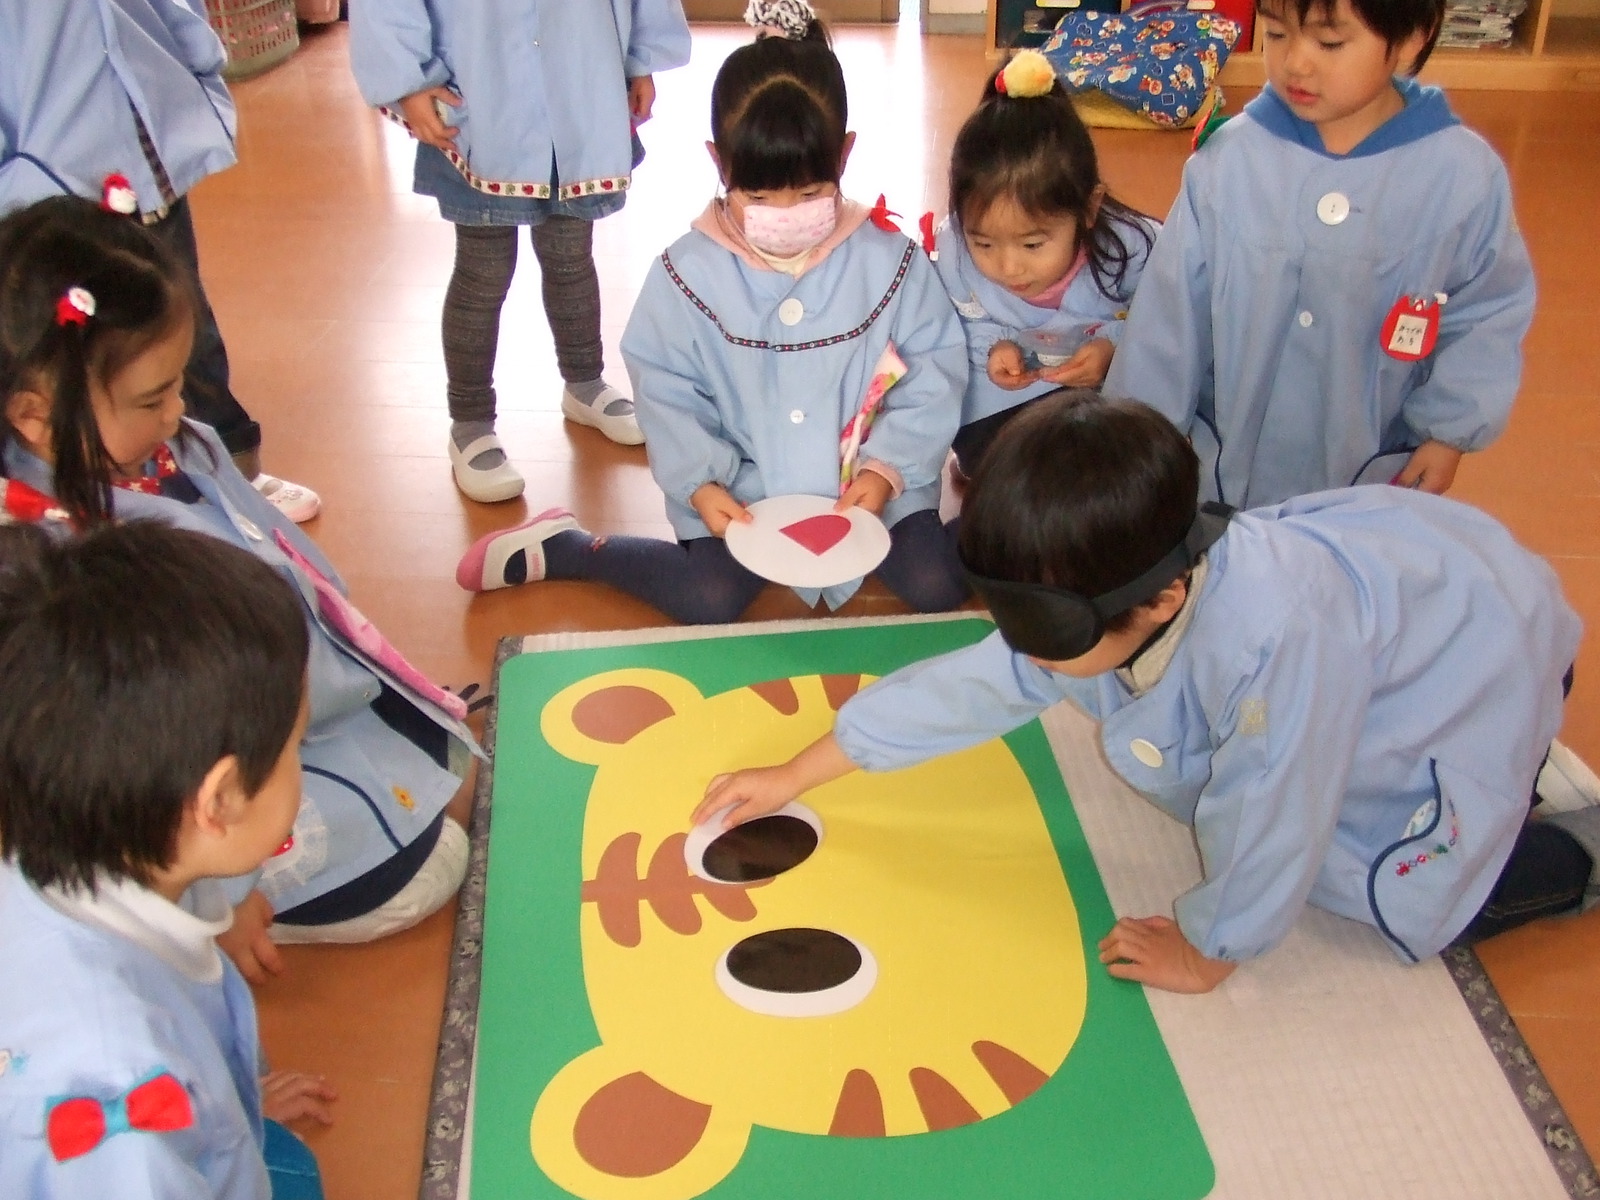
<point>1426,887</point>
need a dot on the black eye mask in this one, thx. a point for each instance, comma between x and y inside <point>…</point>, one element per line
<point>1051,623</point>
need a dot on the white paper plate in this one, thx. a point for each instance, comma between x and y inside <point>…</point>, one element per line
<point>836,555</point>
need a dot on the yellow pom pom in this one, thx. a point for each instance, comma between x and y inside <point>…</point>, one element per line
<point>1028,74</point>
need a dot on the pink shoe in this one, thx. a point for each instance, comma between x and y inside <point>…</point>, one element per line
<point>483,567</point>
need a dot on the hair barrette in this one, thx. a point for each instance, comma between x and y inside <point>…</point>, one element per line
<point>75,307</point>
<point>117,195</point>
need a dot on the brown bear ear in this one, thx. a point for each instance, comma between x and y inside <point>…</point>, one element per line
<point>634,1128</point>
<point>603,1127</point>
<point>591,719</point>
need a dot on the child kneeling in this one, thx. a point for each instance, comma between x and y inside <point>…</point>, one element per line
<point>142,759</point>
<point>1348,696</point>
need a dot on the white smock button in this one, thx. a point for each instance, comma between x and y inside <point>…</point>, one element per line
<point>1333,208</point>
<point>1305,320</point>
<point>797,416</point>
<point>1146,752</point>
<point>790,311</point>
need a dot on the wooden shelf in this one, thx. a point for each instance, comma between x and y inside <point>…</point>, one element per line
<point>1556,50</point>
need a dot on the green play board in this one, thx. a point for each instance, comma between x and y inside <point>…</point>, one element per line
<point>637,1036</point>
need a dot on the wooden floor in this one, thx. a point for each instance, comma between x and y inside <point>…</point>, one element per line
<point>328,274</point>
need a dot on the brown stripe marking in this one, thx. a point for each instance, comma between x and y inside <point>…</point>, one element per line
<point>780,694</point>
<point>1015,1076</point>
<point>859,1113</point>
<point>633,1128</point>
<point>943,1107</point>
<point>840,688</point>
<point>615,715</point>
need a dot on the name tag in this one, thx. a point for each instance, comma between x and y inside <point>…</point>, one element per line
<point>1412,327</point>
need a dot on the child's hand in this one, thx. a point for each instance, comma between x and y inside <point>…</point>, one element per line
<point>1008,368</point>
<point>289,1095</point>
<point>247,942</point>
<point>869,490</point>
<point>420,113</point>
<point>1086,368</point>
<point>757,792</point>
<point>717,508</point>
<point>1153,951</point>
<point>641,98</point>
<point>1431,468</point>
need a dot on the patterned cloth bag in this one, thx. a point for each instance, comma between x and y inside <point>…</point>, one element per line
<point>1154,64</point>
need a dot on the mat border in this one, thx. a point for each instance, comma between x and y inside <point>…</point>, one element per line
<point>448,1109</point>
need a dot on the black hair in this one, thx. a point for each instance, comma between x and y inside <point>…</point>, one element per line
<point>135,658</point>
<point>1392,20</point>
<point>778,113</point>
<point>1080,493</point>
<point>140,295</point>
<point>1037,151</point>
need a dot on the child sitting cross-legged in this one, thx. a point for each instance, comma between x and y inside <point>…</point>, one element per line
<point>141,760</point>
<point>1347,696</point>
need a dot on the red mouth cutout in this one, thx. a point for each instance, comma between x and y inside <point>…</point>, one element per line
<point>818,534</point>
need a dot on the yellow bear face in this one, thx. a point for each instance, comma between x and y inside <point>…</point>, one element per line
<point>895,954</point>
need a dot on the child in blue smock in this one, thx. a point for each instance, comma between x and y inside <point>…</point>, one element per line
<point>1040,261</point>
<point>95,325</point>
<point>523,113</point>
<point>123,101</point>
<point>1347,696</point>
<point>1340,292</point>
<point>141,759</point>
<point>752,347</point>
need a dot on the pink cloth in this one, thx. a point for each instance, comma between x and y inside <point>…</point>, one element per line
<point>1051,296</point>
<point>348,620</point>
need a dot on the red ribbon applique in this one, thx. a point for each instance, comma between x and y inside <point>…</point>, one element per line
<point>930,242</point>
<point>880,216</point>
<point>22,504</point>
<point>77,1124</point>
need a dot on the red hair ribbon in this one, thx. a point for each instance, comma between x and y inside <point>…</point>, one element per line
<point>1000,82</point>
<point>117,195</point>
<point>77,1124</point>
<point>880,216</point>
<point>75,307</point>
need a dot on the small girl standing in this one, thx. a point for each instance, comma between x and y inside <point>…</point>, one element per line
<point>523,114</point>
<point>1040,261</point>
<point>751,348</point>
<point>96,321</point>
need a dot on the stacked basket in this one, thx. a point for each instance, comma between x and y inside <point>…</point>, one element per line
<point>256,33</point>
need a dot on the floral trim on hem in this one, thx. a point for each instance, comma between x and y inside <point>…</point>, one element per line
<point>608,186</point>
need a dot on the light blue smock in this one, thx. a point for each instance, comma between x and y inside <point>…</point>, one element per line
<point>1355,659</point>
<point>1256,327</point>
<point>991,313</point>
<point>367,790</point>
<point>545,82</point>
<point>729,391</point>
<point>85,1012</point>
<point>75,71</point>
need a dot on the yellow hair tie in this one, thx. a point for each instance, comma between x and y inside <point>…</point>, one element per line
<point>1027,75</point>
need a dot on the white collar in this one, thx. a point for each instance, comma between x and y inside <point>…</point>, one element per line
<point>1152,664</point>
<point>182,937</point>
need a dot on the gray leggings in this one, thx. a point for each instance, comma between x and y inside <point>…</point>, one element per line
<point>486,258</point>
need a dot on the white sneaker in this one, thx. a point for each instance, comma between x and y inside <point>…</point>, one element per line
<point>294,500</point>
<point>620,425</point>
<point>435,882</point>
<point>490,486</point>
<point>1565,782</point>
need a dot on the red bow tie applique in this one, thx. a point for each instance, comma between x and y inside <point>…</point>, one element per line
<point>882,217</point>
<point>77,1124</point>
<point>163,466</point>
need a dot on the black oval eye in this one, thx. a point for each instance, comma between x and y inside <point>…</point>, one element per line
<point>794,960</point>
<point>759,849</point>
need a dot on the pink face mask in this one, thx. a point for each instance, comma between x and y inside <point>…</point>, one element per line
<point>786,232</point>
